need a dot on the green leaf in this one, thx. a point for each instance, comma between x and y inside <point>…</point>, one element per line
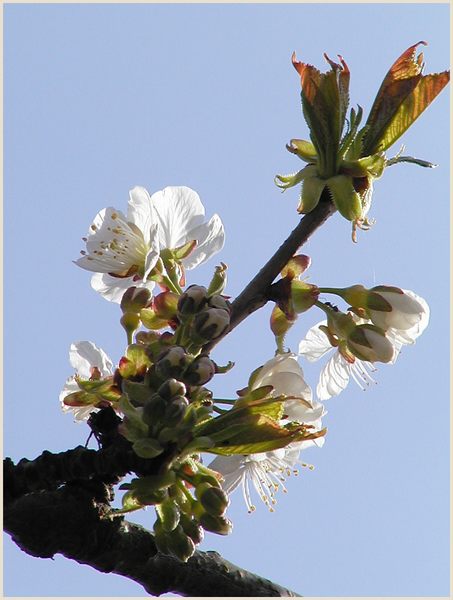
<point>147,448</point>
<point>404,94</point>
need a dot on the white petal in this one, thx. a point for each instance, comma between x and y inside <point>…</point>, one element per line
<point>334,377</point>
<point>112,244</point>
<point>140,211</point>
<point>210,239</point>
<point>315,344</point>
<point>85,355</point>
<point>113,288</point>
<point>178,210</point>
<point>290,384</point>
<point>69,388</point>
<point>282,363</point>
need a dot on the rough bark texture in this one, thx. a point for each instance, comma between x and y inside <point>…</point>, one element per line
<point>73,520</point>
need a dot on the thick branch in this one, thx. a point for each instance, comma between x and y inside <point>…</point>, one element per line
<point>72,521</point>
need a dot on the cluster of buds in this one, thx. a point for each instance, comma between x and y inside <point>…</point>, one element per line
<point>205,316</point>
<point>188,501</point>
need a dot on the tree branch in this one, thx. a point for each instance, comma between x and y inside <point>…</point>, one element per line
<point>255,294</point>
<point>73,521</point>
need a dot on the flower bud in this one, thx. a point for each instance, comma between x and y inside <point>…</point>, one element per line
<point>303,295</point>
<point>192,529</point>
<point>218,301</point>
<point>404,309</point>
<point>147,337</point>
<point>161,538</point>
<point>218,281</point>
<point>175,411</point>
<point>154,410</point>
<point>165,305</point>
<point>369,343</point>
<point>134,299</point>
<point>130,322</point>
<point>169,514</point>
<point>200,371</point>
<point>172,362</point>
<point>171,388</point>
<point>180,544</point>
<point>214,500</point>
<point>192,300</point>
<point>216,524</point>
<point>210,324</point>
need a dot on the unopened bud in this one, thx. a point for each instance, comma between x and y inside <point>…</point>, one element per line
<point>130,322</point>
<point>192,529</point>
<point>303,295</point>
<point>214,500</point>
<point>369,343</point>
<point>134,299</point>
<point>216,524</point>
<point>171,388</point>
<point>168,514</point>
<point>172,362</point>
<point>218,301</point>
<point>200,371</point>
<point>165,305</point>
<point>154,410</point>
<point>180,544</point>
<point>175,411</point>
<point>219,279</point>
<point>192,300</point>
<point>210,324</point>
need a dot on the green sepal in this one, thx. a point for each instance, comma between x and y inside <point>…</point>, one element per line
<point>287,181</point>
<point>150,320</point>
<point>345,198</point>
<point>373,166</point>
<point>310,194</point>
<point>303,149</point>
<point>138,393</point>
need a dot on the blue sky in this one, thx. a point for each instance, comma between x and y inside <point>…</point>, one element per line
<point>100,98</point>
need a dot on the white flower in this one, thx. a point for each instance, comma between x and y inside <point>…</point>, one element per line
<point>336,374</point>
<point>267,471</point>
<point>86,358</point>
<point>407,310</point>
<point>123,250</point>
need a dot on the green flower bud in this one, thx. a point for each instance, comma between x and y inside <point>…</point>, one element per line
<point>192,529</point>
<point>210,324</point>
<point>214,500</point>
<point>130,322</point>
<point>200,371</point>
<point>171,388</point>
<point>218,281</point>
<point>147,337</point>
<point>161,538</point>
<point>134,299</point>
<point>151,498</point>
<point>172,362</point>
<point>175,411</point>
<point>169,514</point>
<point>180,544</point>
<point>303,295</point>
<point>192,300</point>
<point>165,305</point>
<point>154,410</point>
<point>216,524</point>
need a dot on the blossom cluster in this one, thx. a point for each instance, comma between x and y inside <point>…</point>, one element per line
<point>157,391</point>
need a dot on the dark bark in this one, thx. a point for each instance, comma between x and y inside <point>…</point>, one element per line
<point>73,520</point>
